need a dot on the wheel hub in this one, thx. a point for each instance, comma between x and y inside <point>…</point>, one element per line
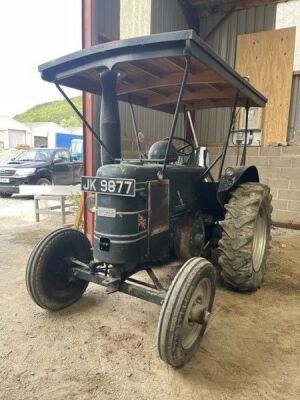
<point>259,239</point>
<point>197,314</point>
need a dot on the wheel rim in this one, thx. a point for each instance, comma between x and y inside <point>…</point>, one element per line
<point>259,239</point>
<point>198,307</point>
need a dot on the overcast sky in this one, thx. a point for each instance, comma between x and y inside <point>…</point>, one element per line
<point>31,33</point>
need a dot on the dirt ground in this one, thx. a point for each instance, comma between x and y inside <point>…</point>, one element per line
<point>103,347</point>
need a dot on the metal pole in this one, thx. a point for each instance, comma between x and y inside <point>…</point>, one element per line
<point>228,136</point>
<point>243,159</point>
<point>82,117</point>
<point>211,166</point>
<point>193,129</point>
<point>136,133</point>
<point>175,118</point>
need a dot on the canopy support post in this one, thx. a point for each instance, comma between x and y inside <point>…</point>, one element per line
<point>175,117</point>
<point>228,135</point>
<point>192,129</point>
<point>136,133</point>
<point>85,122</point>
<point>243,159</point>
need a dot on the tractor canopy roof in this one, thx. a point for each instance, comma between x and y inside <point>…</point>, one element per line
<point>151,69</point>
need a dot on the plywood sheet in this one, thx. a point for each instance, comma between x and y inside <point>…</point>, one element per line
<point>267,58</point>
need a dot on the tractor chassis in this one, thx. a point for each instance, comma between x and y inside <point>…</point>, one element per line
<point>96,273</point>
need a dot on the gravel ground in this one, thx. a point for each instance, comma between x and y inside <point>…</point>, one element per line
<point>103,347</point>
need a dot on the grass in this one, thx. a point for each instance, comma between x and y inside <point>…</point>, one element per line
<point>55,111</point>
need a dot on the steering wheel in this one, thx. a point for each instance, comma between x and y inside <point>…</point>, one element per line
<point>186,150</point>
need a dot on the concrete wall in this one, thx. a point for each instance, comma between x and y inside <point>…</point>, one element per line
<point>279,168</point>
<point>135,18</point>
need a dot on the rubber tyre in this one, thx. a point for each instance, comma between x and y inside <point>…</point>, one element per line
<point>238,266</point>
<point>173,312</point>
<point>43,181</point>
<point>47,274</point>
<point>6,195</point>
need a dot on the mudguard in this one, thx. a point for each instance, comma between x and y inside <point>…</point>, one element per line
<point>233,177</point>
<point>44,172</point>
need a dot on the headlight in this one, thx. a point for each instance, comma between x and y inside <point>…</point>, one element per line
<point>25,171</point>
<point>90,203</point>
<point>229,171</point>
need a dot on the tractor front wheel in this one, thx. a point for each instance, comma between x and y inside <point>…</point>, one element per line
<point>246,237</point>
<point>185,311</point>
<point>49,277</point>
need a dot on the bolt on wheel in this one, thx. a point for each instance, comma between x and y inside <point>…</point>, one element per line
<point>49,278</point>
<point>186,310</point>
<point>197,314</point>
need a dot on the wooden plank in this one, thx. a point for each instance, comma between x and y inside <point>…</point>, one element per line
<point>155,101</point>
<point>79,213</point>
<point>267,58</point>
<point>173,79</point>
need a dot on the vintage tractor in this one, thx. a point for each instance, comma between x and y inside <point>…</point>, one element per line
<point>165,205</point>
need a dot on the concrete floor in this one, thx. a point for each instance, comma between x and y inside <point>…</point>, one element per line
<point>103,347</point>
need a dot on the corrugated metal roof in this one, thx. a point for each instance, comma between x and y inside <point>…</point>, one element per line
<point>212,125</point>
<point>167,16</point>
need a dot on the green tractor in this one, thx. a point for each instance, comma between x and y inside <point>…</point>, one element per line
<point>164,206</point>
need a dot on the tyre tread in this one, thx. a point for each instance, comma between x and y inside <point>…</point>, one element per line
<point>237,237</point>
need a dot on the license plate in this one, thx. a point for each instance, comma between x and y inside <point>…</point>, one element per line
<point>4,180</point>
<point>112,186</point>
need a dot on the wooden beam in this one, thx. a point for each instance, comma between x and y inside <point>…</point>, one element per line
<point>156,101</point>
<point>150,70</point>
<point>211,103</point>
<point>180,64</point>
<point>105,38</point>
<point>218,24</point>
<point>173,79</point>
<point>190,13</point>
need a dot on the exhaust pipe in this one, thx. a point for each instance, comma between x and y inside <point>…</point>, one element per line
<point>110,132</point>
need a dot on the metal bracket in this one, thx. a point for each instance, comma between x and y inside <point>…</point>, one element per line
<point>154,279</point>
<point>140,290</point>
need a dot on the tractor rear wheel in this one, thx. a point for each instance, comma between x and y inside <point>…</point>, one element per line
<point>49,277</point>
<point>246,237</point>
<point>185,311</point>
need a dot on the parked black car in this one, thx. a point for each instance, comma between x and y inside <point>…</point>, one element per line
<point>39,166</point>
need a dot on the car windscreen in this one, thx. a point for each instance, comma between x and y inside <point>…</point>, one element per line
<point>35,155</point>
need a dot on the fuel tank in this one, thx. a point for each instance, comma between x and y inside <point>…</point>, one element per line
<point>136,227</point>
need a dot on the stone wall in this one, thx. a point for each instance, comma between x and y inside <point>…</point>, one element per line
<point>279,167</point>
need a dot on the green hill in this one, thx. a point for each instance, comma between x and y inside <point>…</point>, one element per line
<point>55,111</point>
